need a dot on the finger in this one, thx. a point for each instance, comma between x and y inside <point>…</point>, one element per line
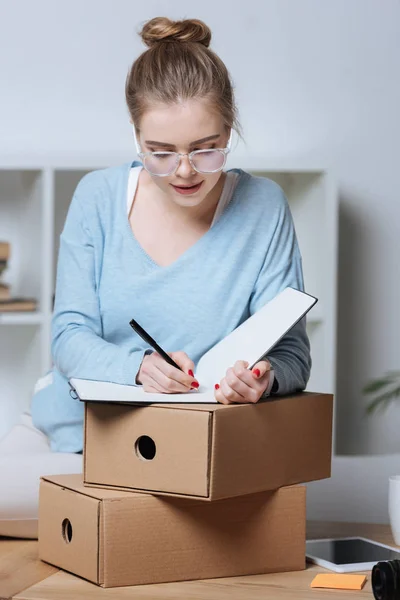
<point>151,384</point>
<point>250,378</point>
<point>232,395</point>
<point>243,373</point>
<point>232,389</point>
<point>241,364</point>
<point>240,382</point>
<point>153,375</point>
<point>170,378</point>
<point>152,390</point>
<point>261,374</point>
<point>171,372</point>
<point>147,373</point>
<point>261,368</point>
<point>246,394</point>
<point>185,363</point>
<point>169,384</point>
<point>218,395</point>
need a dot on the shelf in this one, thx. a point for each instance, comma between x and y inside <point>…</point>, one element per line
<point>21,318</point>
<point>21,224</point>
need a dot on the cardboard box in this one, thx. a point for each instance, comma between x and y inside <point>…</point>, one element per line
<point>122,538</point>
<point>208,451</point>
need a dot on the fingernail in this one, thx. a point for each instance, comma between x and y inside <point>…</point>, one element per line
<point>190,372</point>
<point>195,384</point>
<point>216,386</point>
<point>257,372</point>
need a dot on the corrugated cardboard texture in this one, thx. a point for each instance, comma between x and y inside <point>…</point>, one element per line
<point>56,505</point>
<point>154,539</point>
<point>210,451</point>
<point>182,444</point>
<point>290,443</point>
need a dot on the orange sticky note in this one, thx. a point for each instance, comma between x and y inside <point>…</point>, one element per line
<point>338,581</point>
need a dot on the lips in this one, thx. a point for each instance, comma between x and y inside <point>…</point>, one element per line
<point>186,190</point>
<point>186,187</point>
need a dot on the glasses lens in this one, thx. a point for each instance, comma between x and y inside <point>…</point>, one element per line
<point>208,161</point>
<point>160,163</point>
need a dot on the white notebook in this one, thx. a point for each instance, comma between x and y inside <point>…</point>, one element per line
<point>250,341</point>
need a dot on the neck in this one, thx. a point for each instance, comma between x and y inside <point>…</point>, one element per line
<point>204,212</point>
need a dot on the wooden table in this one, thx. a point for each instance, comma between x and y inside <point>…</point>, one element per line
<point>20,567</point>
<point>24,577</point>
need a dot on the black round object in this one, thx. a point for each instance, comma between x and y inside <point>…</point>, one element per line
<point>385,580</point>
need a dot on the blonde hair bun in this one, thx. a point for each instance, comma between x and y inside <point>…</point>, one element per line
<point>162,29</point>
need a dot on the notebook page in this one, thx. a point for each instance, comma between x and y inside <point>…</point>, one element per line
<point>256,336</point>
<point>104,391</point>
<point>250,341</point>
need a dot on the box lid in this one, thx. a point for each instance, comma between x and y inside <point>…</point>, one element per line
<point>212,408</point>
<point>74,482</point>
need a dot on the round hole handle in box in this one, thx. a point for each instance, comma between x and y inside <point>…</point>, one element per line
<point>145,448</point>
<point>66,531</point>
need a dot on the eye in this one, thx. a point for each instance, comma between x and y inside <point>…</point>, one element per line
<point>212,147</point>
<point>158,151</point>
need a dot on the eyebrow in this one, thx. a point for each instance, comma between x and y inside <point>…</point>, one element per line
<point>166,145</point>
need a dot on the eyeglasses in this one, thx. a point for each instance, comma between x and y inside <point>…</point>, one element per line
<point>163,164</point>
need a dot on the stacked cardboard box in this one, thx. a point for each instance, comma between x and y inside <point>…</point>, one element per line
<point>177,492</point>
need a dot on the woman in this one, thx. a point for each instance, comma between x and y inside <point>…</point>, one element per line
<point>187,249</point>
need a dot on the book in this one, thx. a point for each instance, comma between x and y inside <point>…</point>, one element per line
<point>18,305</point>
<point>250,341</point>
<point>3,266</point>
<point>4,251</point>
<point>4,291</point>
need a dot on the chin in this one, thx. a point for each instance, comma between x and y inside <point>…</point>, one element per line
<point>194,200</point>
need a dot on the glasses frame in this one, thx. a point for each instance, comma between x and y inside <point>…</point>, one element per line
<point>178,156</point>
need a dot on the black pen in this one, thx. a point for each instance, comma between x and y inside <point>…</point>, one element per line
<point>147,338</point>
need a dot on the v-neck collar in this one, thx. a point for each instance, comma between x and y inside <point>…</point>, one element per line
<point>194,247</point>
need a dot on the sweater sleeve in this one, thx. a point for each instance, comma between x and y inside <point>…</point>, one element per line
<point>290,358</point>
<point>78,349</point>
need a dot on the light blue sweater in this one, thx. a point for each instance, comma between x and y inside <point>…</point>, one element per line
<point>105,278</point>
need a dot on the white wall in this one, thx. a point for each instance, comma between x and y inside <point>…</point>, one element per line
<point>357,491</point>
<point>315,80</point>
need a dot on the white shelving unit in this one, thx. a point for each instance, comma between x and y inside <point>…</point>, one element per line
<point>33,204</point>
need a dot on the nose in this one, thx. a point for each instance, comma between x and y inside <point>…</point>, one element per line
<point>184,169</point>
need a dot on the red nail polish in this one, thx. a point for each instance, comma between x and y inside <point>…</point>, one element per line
<point>257,372</point>
<point>195,384</point>
<point>216,386</point>
<point>190,372</point>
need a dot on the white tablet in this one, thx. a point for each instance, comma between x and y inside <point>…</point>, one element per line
<point>344,555</point>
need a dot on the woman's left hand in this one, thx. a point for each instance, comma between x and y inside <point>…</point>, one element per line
<point>241,385</point>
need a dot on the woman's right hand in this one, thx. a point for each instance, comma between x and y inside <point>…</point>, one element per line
<point>158,376</point>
